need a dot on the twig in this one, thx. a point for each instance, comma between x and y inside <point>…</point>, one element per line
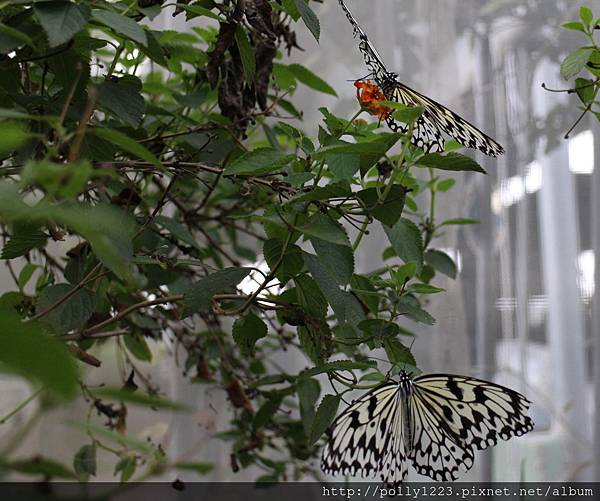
<point>97,335</point>
<point>21,406</point>
<point>131,309</point>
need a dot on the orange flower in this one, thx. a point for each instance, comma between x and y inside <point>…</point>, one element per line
<point>369,96</point>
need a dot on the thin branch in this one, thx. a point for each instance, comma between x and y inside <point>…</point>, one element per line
<point>97,335</point>
<point>131,309</point>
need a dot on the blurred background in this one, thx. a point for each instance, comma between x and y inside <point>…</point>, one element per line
<point>522,311</point>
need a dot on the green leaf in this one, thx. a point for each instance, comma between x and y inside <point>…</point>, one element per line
<point>290,264</point>
<point>424,289</point>
<point>308,391</point>
<point>586,15</point>
<point>178,230</point>
<point>266,412</point>
<point>369,152</point>
<point>309,17</point>
<point>406,240</point>
<point>200,468</point>
<point>199,297</point>
<point>311,80</point>
<point>339,259</point>
<point>585,89</point>
<point>346,307</point>
<point>460,221</point>
<point>390,210</point>
<point>397,353</point>
<point>575,62</point>
<point>126,143</point>
<point>60,20</point>
<point>442,262</point>
<point>411,308</point>
<point>26,273</point>
<point>246,54</point>
<point>13,135</point>
<point>338,365</point>
<point>574,25</point>
<point>321,226</point>
<point>121,24</point>
<point>259,161</point>
<point>72,313</point>
<point>84,462</point>
<point>63,181</point>
<point>27,350</point>
<point>366,292</point>
<point>122,99</point>
<point>450,161</point>
<point>127,467</point>
<point>138,346</point>
<point>340,189</point>
<point>324,417</point>
<point>40,466</point>
<point>197,11</point>
<point>11,38</point>
<point>445,185</point>
<point>138,398</point>
<point>115,436</point>
<point>25,238</point>
<point>247,330</point>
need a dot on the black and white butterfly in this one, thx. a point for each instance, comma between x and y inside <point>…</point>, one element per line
<point>433,421</point>
<point>436,122</point>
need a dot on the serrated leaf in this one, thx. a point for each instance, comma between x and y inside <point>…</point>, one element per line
<point>72,313</point>
<point>246,54</point>
<point>339,259</point>
<point>25,238</point>
<point>460,221</point>
<point>406,240</point>
<point>424,289</point>
<point>259,161</point>
<point>390,210</point>
<point>586,15</point>
<point>321,226</point>
<point>123,100</point>
<point>178,230</point>
<point>308,391</point>
<point>27,350</point>
<point>199,297</point>
<point>397,353</point>
<point>13,135</point>
<point>60,20</point>
<point>310,79</point>
<point>442,262</point>
<point>309,17</point>
<point>290,262</point>
<point>450,161</point>
<point>247,330</point>
<point>324,417</point>
<point>575,62</point>
<point>138,346</point>
<point>120,24</point>
<point>138,398</point>
<point>346,307</point>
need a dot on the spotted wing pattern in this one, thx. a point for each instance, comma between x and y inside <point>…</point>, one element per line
<point>368,439</point>
<point>370,54</point>
<point>436,425</point>
<point>436,122</point>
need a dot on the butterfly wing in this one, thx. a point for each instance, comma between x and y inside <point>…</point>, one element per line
<point>436,118</point>
<point>370,54</point>
<point>368,437</point>
<point>436,450</point>
<point>455,415</point>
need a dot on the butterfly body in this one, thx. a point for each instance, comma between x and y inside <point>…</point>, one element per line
<point>437,122</point>
<point>434,421</point>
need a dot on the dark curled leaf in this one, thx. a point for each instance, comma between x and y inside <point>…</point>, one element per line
<point>215,58</point>
<point>265,53</point>
<point>259,16</point>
